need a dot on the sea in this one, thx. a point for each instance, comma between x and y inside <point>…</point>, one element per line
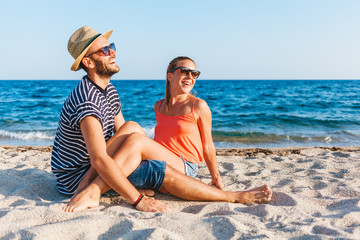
<point>245,113</point>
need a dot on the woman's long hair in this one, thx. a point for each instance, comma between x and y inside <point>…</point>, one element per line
<point>171,66</point>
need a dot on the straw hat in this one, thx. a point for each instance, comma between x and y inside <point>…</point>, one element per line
<point>80,42</point>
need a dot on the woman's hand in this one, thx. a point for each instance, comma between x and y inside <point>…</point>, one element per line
<point>217,182</point>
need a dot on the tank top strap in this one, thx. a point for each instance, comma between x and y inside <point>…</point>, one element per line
<point>161,101</point>
<point>193,107</point>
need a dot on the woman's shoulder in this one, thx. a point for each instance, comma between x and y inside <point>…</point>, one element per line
<point>201,107</point>
<point>199,103</point>
<point>157,104</point>
<point>159,101</point>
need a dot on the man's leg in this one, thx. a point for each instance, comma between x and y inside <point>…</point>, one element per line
<point>114,143</point>
<point>112,146</point>
<point>78,203</point>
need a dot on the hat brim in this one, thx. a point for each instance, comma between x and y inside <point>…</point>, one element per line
<point>76,64</point>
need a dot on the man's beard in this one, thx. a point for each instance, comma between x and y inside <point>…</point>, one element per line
<point>104,71</point>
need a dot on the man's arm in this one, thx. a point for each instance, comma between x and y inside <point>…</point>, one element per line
<point>118,121</point>
<point>108,169</point>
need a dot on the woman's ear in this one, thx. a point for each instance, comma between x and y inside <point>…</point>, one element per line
<point>169,76</point>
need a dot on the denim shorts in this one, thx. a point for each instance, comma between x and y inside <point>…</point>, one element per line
<point>191,169</point>
<point>150,174</point>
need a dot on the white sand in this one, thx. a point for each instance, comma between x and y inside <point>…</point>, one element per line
<point>316,196</point>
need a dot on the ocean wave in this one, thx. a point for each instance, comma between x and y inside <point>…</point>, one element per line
<point>252,138</point>
<point>260,139</point>
<point>149,132</point>
<point>26,135</point>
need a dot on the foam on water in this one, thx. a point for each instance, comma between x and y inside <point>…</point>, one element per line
<point>37,135</point>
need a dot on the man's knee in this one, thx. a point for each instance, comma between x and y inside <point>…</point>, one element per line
<point>135,138</point>
<point>133,127</point>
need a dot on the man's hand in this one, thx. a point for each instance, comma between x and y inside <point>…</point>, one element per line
<point>151,205</point>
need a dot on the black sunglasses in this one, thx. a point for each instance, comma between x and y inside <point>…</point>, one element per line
<point>185,72</point>
<point>105,50</point>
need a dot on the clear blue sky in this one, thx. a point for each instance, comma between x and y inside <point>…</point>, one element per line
<point>244,39</point>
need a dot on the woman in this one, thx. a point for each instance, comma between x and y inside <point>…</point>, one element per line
<point>184,121</point>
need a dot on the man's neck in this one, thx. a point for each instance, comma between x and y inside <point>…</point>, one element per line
<point>98,80</point>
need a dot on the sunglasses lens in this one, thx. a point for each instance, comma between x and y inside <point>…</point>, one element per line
<point>112,47</point>
<point>184,72</point>
<point>195,74</point>
<point>106,50</point>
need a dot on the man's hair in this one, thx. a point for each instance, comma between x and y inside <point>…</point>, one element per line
<point>83,66</point>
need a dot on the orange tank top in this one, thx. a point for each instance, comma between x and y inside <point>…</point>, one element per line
<point>179,134</point>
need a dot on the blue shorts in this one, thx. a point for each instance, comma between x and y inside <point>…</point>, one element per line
<point>191,169</point>
<point>150,174</point>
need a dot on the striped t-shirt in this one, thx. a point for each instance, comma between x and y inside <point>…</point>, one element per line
<point>70,160</point>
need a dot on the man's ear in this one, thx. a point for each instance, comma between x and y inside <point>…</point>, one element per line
<point>88,63</point>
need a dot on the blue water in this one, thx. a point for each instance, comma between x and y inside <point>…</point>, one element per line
<point>246,113</point>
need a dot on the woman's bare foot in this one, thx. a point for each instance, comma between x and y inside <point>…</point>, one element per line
<point>261,194</point>
<point>82,201</point>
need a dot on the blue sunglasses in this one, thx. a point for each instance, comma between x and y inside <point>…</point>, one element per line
<point>105,51</point>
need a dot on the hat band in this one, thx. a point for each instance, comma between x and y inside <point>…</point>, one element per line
<point>93,39</point>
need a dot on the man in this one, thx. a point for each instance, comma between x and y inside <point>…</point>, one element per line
<point>84,147</point>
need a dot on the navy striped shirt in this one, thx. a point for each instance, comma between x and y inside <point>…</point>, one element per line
<point>70,160</point>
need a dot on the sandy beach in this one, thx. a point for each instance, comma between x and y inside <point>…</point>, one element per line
<point>316,196</point>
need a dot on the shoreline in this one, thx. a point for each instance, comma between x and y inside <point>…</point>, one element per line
<point>281,151</point>
<point>315,196</point>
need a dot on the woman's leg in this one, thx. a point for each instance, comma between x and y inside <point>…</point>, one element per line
<point>138,147</point>
<point>189,188</point>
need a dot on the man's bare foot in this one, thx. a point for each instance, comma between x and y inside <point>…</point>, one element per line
<point>261,194</point>
<point>151,205</point>
<point>82,201</point>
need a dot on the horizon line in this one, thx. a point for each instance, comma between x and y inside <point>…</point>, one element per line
<point>229,79</point>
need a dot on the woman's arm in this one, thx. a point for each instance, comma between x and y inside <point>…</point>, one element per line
<point>204,119</point>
